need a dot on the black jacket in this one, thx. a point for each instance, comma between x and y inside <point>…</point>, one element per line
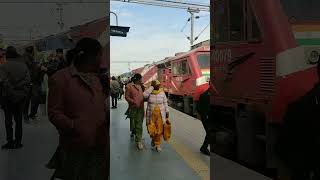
<point>203,105</point>
<point>299,141</point>
<point>15,81</point>
<point>36,74</point>
<point>55,65</point>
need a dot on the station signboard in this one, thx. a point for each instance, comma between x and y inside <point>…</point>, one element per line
<point>120,31</point>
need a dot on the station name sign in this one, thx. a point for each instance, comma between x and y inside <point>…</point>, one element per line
<point>119,31</point>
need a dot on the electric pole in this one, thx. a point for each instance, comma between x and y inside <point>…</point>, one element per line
<point>192,12</point>
<point>60,12</point>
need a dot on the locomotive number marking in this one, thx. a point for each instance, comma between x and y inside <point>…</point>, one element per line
<point>221,58</point>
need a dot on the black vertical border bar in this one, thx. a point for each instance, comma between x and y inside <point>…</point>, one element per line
<point>108,74</point>
<point>211,74</point>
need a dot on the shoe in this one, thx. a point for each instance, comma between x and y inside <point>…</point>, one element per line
<point>158,148</point>
<point>205,151</point>
<point>152,144</point>
<point>18,146</point>
<point>140,145</point>
<point>8,146</point>
<point>132,135</point>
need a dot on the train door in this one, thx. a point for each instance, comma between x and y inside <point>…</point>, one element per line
<point>237,42</point>
<point>237,61</point>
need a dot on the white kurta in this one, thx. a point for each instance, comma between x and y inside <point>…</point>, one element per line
<point>153,100</point>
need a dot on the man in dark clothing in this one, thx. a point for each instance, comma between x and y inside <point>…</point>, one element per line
<point>36,73</point>
<point>70,57</point>
<point>203,109</point>
<point>57,63</point>
<point>121,87</point>
<point>15,80</point>
<point>299,141</point>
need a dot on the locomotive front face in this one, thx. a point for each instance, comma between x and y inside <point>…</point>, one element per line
<point>296,68</point>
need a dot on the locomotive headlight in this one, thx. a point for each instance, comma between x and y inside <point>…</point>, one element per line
<point>314,57</point>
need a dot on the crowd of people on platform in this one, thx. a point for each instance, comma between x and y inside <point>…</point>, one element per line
<point>76,103</point>
<point>22,91</point>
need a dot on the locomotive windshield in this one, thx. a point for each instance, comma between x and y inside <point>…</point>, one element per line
<point>302,10</point>
<point>204,61</point>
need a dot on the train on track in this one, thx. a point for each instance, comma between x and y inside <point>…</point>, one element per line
<point>264,54</point>
<point>183,77</point>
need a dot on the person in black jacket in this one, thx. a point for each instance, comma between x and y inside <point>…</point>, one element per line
<point>203,108</point>
<point>121,88</point>
<point>15,80</point>
<point>298,145</point>
<point>37,73</point>
<point>70,57</point>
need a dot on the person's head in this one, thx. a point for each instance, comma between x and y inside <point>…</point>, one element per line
<point>11,52</point>
<point>136,79</point>
<point>59,53</point>
<point>29,50</point>
<point>113,78</point>
<point>88,53</point>
<point>157,85</point>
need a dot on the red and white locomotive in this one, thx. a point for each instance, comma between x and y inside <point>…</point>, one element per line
<point>184,77</point>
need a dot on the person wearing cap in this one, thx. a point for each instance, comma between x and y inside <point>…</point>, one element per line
<point>157,111</point>
<point>134,97</point>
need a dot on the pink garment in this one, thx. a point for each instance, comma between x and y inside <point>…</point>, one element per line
<point>156,99</point>
<point>134,95</point>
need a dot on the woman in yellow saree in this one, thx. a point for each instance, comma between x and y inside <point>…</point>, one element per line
<point>157,112</point>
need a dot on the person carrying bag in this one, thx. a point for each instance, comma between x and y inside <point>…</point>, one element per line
<point>157,112</point>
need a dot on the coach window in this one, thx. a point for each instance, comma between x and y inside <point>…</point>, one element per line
<point>174,69</point>
<point>236,20</point>
<point>184,67</point>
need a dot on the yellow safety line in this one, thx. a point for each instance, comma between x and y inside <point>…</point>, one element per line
<point>191,159</point>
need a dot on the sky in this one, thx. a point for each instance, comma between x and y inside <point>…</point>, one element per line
<point>155,33</point>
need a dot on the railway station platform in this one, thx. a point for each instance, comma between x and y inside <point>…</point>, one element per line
<point>180,159</point>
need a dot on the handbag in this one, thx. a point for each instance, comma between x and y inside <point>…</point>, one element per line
<point>167,130</point>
